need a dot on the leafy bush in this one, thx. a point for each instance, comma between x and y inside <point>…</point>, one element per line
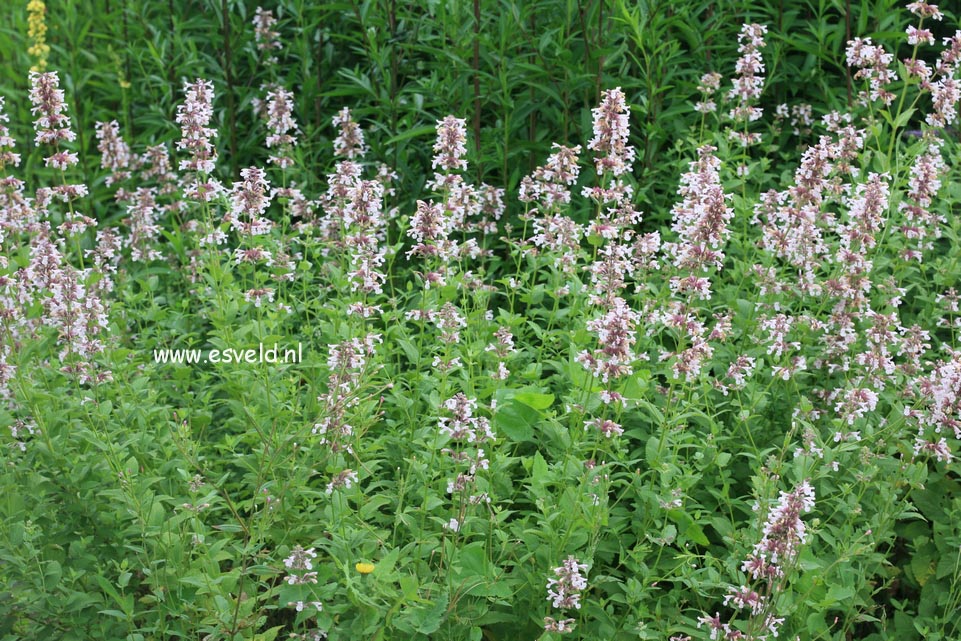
<point>292,353</point>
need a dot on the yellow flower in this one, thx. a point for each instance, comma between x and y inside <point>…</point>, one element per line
<point>37,32</point>
<point>365,568</point>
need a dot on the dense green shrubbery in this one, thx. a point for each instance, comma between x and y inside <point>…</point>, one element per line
<point>694,381</point>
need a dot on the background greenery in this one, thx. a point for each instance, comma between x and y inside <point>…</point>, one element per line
<point>524,73</point>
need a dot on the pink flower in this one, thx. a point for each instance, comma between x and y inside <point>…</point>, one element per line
<point>194,116</point>
<point>564,591</point>
<point>874,65</point>
<point>611,134</point>
<point>349,142</point>
<point>114,151</point>
<point>280,122</point>
<point>265,37</point>
<point>750,70</point>
<point>450,147</point>
<point>52,124</point>
<point>7,143</point>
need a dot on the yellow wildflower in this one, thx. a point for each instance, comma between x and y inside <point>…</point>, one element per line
<point>365,568</point>
<point>37,33</point>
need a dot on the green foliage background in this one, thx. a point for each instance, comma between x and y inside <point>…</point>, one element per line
<point>524,73</point>
<point>110,552</point>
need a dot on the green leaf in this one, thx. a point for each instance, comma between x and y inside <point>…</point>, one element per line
<point>539,470</point>
<point>516,420</point>
<point>535,400</point>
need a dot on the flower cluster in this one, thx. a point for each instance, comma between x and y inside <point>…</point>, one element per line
<point>564,592</point>
<point>300,566</point>
<point>707,87</point>
<point>249,200</point>
<point>700,222</point>
<point>52,123</point>
<point>7,144</point>
<point>280,124</point>
<point>611,134</point>
<point>616,336</point>
<point>450,147</point>
<point>873,64</point>
<point>767,564</point>
<point>365,224</point>
<point>749,80</point>
<point>142,221</point>
<point>71,307</point>
<point>348,365</point>
<point>194,116</point>
<point>938,408</point>
<point>115,153</point>
<point>265,37</point>
<point>550,184</point>
<point>349,142</point>
<point>467,433</point>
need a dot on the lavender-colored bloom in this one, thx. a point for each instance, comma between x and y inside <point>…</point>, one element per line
<point>114,151</point>
<point>750,69</point>
<point>349,142</point>
<point>249,200</point>
<point>52,124</point>
<point>564,591</point>
<point>700,221</point>
<point>616,336</point>
<point>611,134</point>
<point>143,226</point>
<point>194,116</point>
<point>450,147</point>
<point>784,530</point>
<point>874,65</point>
<point>265,37</point>
<point>462,425</point>
<point>7,143</point>
<point>280,124</point>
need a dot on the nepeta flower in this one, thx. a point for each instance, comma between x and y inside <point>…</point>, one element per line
<point>430,227</point>
<point>364,219</point>
<point>925,10</point>
<point>606,427</point>
<point>280,124</point>
<point>143,228</point>
<point>348,363</point>
<point>298,561</point>
<point>266,38</point>
<point>114,151</point>
<point>945,94</point>
<point>450,148</point>
<point>462,425</point>
<point>564,591</point>
<point>874,65</point>
<point>750,70</point>
<point>917,36</point>
<point>345,479</point>
<point>550,184</point>
<point>784,530</point>
<point>611,134</point>
<point>349,142</point>
<point>7,143</point>
<point>52,124</point>
<point>700,221</point>
<point>249,200</point>
<point>562,626</point>
<point>194,116</point>
<point>616,336</point>
<point>710,83</point>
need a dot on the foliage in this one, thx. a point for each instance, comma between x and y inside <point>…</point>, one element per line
<point>695,379</point>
